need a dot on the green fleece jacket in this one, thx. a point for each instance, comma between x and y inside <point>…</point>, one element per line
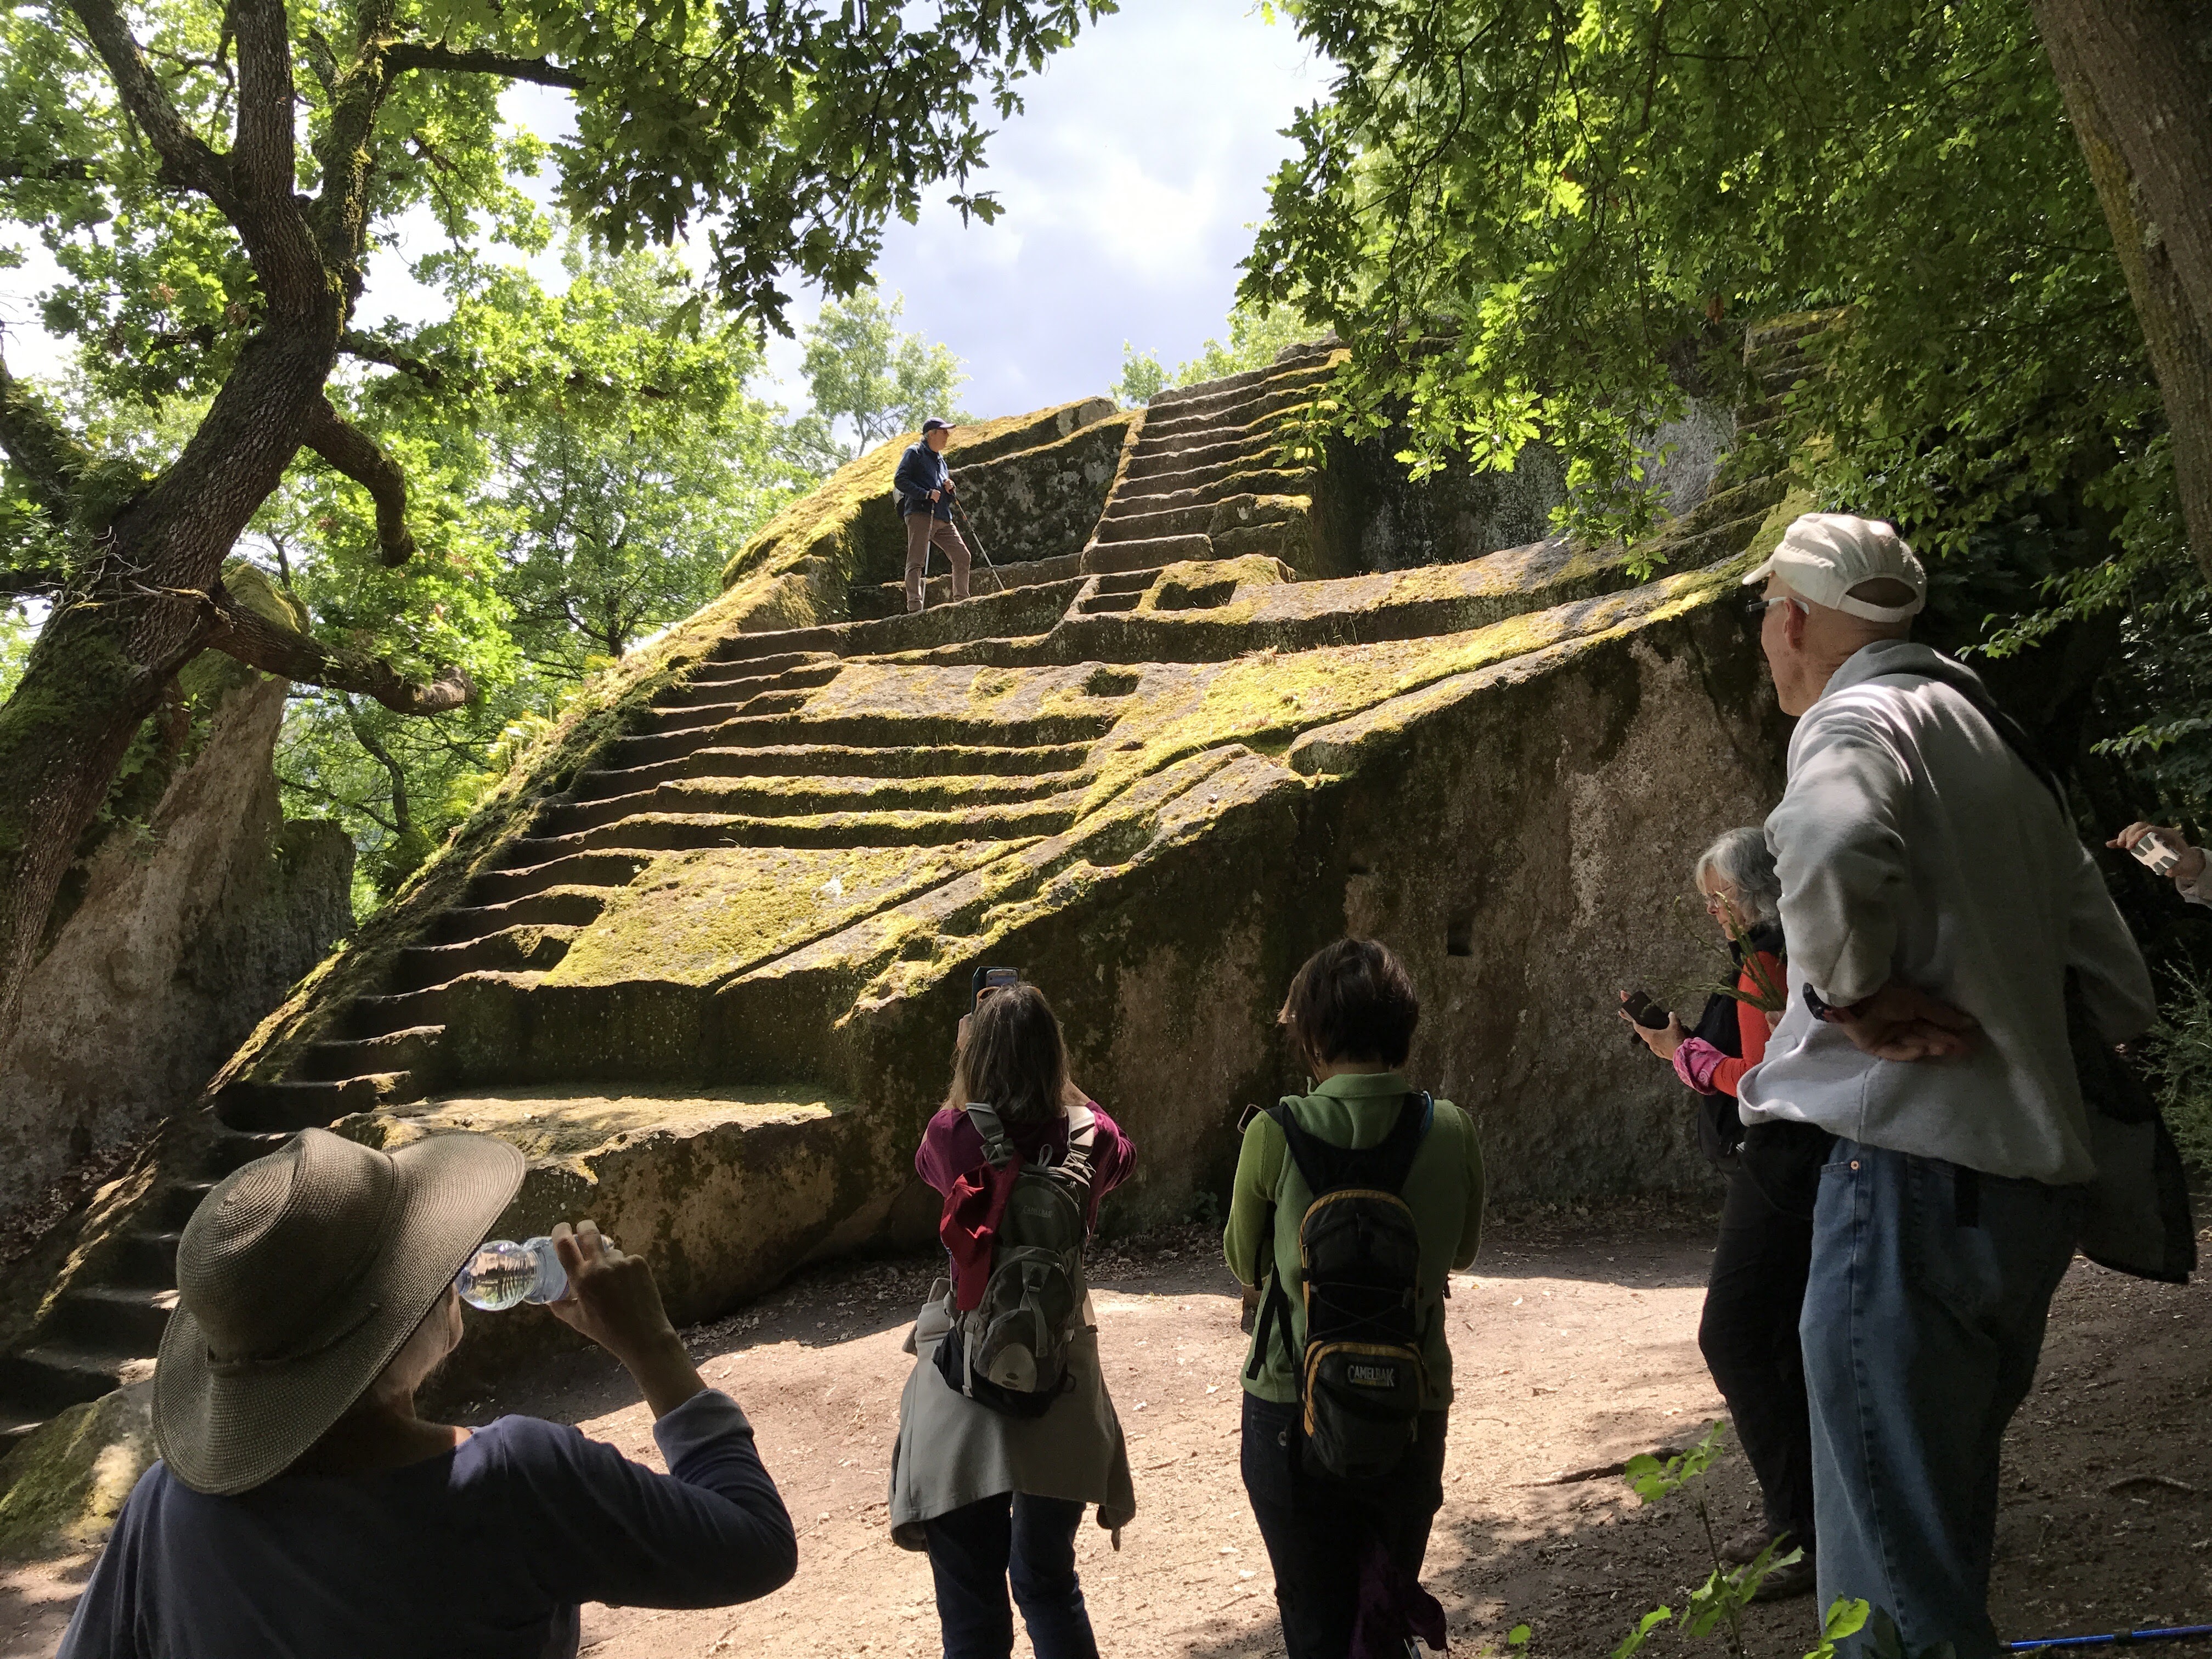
<point>1444,1191</point>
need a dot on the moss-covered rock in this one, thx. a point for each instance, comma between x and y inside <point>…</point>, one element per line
<point>61,1487</point>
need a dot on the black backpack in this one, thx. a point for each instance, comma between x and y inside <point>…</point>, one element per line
<point>1361,1376</point>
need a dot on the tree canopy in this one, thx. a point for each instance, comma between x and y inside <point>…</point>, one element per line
<point>1541,223</point>
<point>861,367</point>
<point>215,181</point>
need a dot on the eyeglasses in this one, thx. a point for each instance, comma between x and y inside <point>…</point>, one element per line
<point>1717,902</point>
<point>1756,608</point>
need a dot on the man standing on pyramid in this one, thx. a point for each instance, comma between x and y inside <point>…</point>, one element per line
<point>923,489</point>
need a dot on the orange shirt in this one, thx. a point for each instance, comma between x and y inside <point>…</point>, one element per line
<point>1750,1025</point>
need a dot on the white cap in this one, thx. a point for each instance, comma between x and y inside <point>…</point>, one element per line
<point>1824,556</point>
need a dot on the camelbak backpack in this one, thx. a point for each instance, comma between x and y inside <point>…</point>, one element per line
<point>1360,1376</point>
<point>1010,1352</point>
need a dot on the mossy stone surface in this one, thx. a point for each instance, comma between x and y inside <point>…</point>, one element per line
<point>63,1485</point>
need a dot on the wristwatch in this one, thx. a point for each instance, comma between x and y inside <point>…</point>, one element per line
<point>1831,1012</point>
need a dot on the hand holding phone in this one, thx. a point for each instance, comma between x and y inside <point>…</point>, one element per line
<point>988,980</point>
<point>1639,1007</point>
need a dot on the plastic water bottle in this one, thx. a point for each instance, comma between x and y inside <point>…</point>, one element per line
<point>502,1273</point>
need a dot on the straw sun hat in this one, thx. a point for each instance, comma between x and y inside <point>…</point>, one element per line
<point>299,1277</point>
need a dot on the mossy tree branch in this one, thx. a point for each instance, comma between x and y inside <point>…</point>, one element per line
<point>261,643</point>
<point>43,450</point>
<point>358,456</point>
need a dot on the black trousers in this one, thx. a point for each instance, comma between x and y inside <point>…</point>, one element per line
<point>1749,1331</point>
<point>1317,1531</point>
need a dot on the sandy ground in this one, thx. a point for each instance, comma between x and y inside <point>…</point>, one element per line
<point>1575,1345</point>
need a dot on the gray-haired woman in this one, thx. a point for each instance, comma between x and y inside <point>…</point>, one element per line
<point>1748,1332</point>
<point>302,1507</point>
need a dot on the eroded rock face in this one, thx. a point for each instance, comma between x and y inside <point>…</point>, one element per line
<point>703,954</point>
<point>187,934</point>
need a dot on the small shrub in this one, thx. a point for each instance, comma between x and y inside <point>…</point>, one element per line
<point>2178,1058</point>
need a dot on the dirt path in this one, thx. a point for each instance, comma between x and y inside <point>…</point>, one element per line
<point>1575,1347</point>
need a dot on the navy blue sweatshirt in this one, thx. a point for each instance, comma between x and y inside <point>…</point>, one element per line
<point>921,470</point>
<point>485,1552</point>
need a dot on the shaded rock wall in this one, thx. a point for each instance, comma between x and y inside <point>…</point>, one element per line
<point>1370,516</point>
<point>184,936</point>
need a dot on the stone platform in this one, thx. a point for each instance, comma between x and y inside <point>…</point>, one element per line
<point>704,952</point>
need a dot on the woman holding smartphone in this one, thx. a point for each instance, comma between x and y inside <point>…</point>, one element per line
<point>1749,1330</point>
<point>995,1497</point>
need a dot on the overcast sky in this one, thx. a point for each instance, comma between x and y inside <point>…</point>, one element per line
<point>1130,184</point>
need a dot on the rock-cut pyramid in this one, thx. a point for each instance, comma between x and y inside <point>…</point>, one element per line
<point>703,954</point>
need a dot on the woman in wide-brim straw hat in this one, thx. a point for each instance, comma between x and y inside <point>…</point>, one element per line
<point>301,1507</point>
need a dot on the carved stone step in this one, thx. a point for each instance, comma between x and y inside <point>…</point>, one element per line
<point>808,796</point>
<point>126,1319</point>
<point>35,1383</point>
<point>176,1202</point>
<point>285,1108</point>
<point>670,833</point>
<point>734,683</point>
<point>532,948</point>
<point>232,1147</point>
<point>148,1257</point>
<point>573,907</point>
<point>1155,551</point>
<point>883,730</point>
<point>415,1048</point>
<point>1192,489</point>
<point>1098,603</point>
<point>832,760</point>
<point>1136,526</point>
<point>489,887</point>
<point>1178,455</point>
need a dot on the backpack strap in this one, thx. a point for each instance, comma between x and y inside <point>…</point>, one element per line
<point>996,1146</point>
<point>1384,1165</point>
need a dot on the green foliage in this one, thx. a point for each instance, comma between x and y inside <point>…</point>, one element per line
<point>1256,335</point>
<point>1142,377</point>
<point>861,368</point>
<point>1536,223</point>
<point>1718,1603</point>
<point>2179,1054</point>
<point>17,631</point>
<point>599,456</point>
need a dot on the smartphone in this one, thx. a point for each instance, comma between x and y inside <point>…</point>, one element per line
<point>1644,1011</point>
<point>2157,852</point>
<point>988,980</point>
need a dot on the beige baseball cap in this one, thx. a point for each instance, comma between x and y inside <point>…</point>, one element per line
<point>1823,556</point>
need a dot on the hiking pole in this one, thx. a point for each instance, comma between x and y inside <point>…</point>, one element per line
<point>967,525</point>
<point>2124,1638</point>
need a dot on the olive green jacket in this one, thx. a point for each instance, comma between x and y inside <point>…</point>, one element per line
<point>1444,1191</point>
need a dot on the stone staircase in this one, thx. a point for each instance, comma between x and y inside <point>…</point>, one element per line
<point>1205,464</point>
<point>872,802</point>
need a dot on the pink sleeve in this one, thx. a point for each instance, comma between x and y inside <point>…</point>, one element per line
<point>1117,1155</point>
<point>1695,1062</point>
<point>942,1159</point>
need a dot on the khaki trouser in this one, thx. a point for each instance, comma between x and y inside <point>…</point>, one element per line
<point>922,529</point>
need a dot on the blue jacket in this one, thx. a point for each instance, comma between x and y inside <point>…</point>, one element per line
<point>921,470</point>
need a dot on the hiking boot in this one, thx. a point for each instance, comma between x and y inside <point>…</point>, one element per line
<point>1784,1583</point>
<point>1743,1549</point>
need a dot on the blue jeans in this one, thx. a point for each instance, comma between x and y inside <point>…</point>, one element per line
<point>975,1549</point>
<point>1923,1320</point>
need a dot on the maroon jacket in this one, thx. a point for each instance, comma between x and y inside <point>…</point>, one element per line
<point>950,1159</point>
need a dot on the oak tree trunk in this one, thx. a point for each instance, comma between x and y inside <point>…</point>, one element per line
<point>2136,76</point>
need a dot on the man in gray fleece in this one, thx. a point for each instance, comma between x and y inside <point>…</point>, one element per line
<point>1934,897</point>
